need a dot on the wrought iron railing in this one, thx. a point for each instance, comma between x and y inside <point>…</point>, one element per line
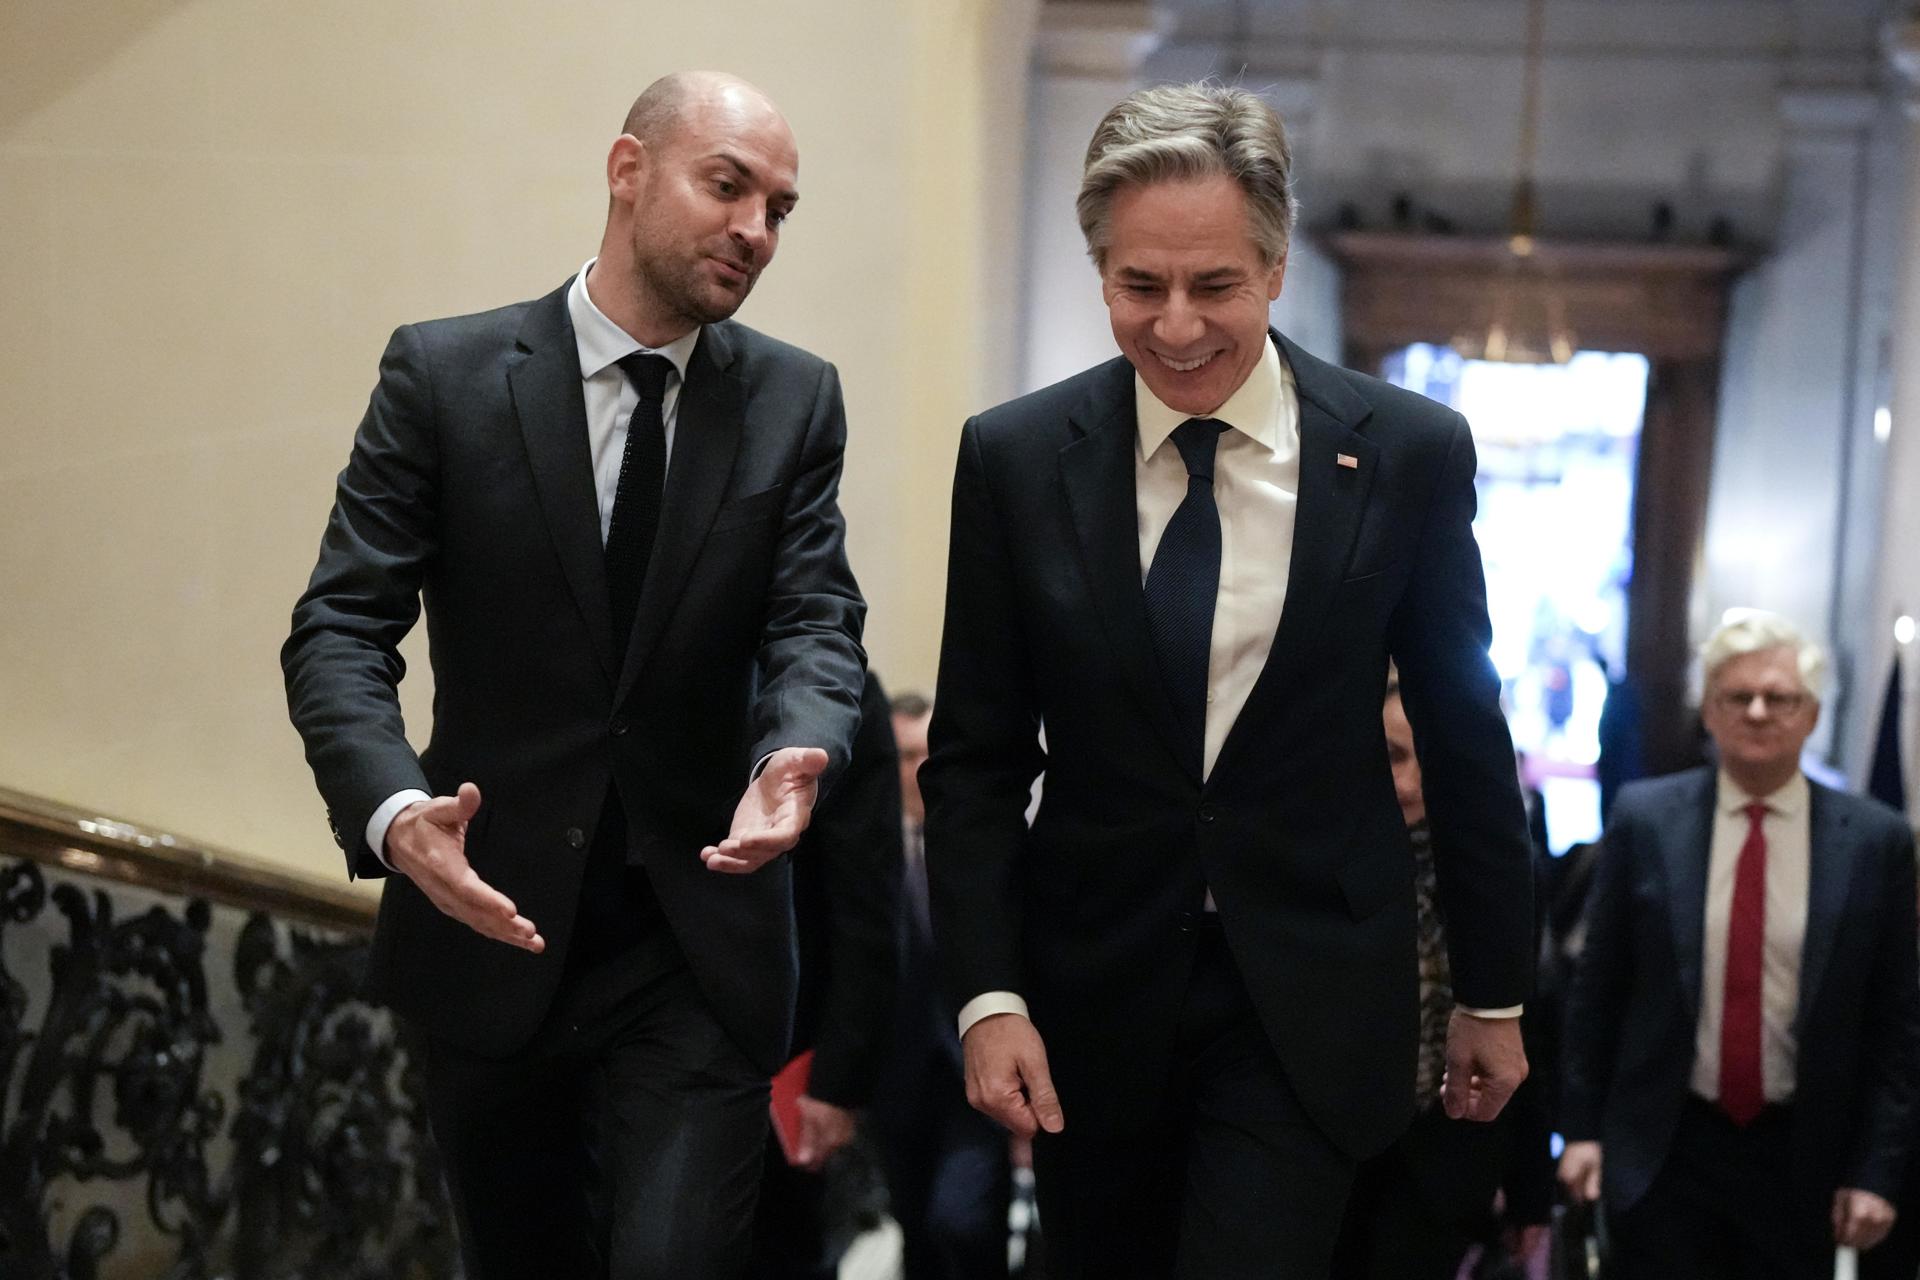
<point>190,1085</point>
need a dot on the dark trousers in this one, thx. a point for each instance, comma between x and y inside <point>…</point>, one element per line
<point>624,1141</point>
<point>949,1182</point>
<point>1393,1230</point>
<point>1723,1207</point>
<point>1231,1180</point>
<point>791,1240</point>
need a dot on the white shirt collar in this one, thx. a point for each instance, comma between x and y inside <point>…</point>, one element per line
<point>602,342</point>
<point>1256,409</point>
<point>1789,801</point>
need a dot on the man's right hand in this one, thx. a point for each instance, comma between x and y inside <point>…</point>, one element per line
<point>427,844</point>
<point>1007,1075</point>
<point>1580,1171</point>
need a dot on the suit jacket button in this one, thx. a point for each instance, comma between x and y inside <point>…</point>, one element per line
<point>618,728</point>
<point>1206,815</point>
<point>576,837</point>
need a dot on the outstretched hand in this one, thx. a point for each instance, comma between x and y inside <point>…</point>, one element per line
<point>771,815</point>
<point>427,843</point>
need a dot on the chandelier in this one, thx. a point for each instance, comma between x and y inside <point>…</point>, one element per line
<point>1526,318</point>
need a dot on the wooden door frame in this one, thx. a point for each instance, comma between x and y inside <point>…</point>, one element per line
<point>1666,302</point>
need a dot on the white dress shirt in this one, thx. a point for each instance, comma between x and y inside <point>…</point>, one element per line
<point>610,398</point>
<point>1256,483</point>
<point>1789,851</point>
<point>1256,479</point>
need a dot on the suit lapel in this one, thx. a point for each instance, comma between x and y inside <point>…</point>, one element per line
<point>544,377</point>
<point>1098,473</point>
<point>1687,854</point>
<point>1326,518</point>
<point>709,421</point>
<point>1830,868</point>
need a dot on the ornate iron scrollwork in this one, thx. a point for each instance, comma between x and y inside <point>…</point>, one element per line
<point>333,1171</point>
<point>332,1175</point>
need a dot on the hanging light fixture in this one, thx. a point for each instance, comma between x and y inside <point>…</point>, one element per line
<point>1527,321</point>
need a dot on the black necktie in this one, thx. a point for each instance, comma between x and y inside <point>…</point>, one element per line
<point>636,499</point>
<point>1183,584</point>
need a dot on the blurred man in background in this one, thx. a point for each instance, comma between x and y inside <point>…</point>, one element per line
<point>1743,1032</point>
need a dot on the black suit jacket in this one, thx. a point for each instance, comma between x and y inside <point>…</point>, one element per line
<point>1635,1000</point>
<point>470,488</point>
<point>846,886</point>
<point>1296,830</point>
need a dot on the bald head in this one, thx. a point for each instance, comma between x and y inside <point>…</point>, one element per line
<point>667,103</point>
<point>699,182</point>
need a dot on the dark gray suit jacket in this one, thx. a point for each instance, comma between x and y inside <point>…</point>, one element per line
<point>1635,1001</point>
<point>470,488</point>
<point>1296,830</point>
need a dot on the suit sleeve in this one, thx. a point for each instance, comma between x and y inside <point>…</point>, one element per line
<point>1439,636</point>
<point>984,748</point>
<point>1602,978</point>
<point>1890,1054</point>
<point>856,838</point>
<point>342,661</point>
<point>810,663</point>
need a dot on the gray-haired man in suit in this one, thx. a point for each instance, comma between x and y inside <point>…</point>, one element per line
<point>1743,1033</point>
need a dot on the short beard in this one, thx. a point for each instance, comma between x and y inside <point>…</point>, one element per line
<point>677,285</point>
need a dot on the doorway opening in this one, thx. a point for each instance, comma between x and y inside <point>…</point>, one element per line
<point>1558,446</point>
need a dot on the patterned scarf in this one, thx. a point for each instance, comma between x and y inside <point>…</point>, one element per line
<point>1436,977</point>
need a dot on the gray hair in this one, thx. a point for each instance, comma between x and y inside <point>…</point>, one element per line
<point>1745,631</point>
<point>910,705</point>
<point>1179,132</point>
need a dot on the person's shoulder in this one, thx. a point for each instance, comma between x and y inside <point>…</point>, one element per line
<point>1090,393</point>
<point>1875,819</point>
<point>1655,797</point>
<point>761,355</point>
<point>483,332</point>
<point>1330,385</point>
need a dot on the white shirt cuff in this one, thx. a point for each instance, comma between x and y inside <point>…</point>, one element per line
<point>383,818</point>
<point>988,1003</point>
<point>1511,1011</point>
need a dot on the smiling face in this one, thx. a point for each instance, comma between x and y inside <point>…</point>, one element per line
<point>1186,289</point>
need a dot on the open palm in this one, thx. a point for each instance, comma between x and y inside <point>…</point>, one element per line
<point>772,813</point>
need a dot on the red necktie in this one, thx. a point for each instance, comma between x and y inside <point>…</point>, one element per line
<point>1741,1093</point>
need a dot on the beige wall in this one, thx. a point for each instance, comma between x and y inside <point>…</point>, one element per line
<point>213,213</point>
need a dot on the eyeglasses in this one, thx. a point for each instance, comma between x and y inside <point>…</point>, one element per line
<point>1777,702</point>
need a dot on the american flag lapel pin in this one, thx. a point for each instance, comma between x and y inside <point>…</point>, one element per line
<point>1347,460</point>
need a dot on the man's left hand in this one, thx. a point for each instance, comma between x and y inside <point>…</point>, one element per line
<point>771,815</point>
<point>824,1129</point>
<point>1485,1064</point>
<point>1861,1219</point>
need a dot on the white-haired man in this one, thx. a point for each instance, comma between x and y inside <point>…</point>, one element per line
<point>1743,1034</point>
<point>1196,973</point>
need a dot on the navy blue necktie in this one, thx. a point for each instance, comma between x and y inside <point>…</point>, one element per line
<point>1183,584</point>
<point>637,497</point>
